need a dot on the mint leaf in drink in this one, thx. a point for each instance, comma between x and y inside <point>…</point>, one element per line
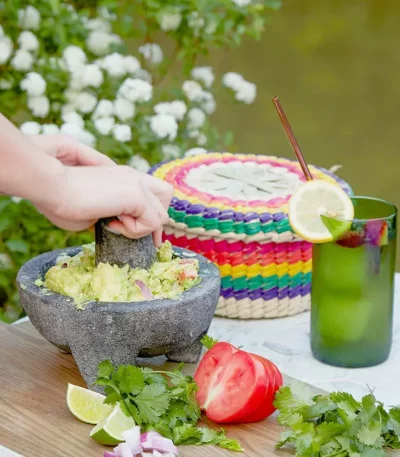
<point>336,227</point>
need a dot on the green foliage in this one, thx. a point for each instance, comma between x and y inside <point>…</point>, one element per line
<point>191,27</point>
<point>335,424</point>
<point>162,401</point>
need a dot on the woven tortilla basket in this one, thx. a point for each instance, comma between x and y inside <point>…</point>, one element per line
<point>232,208</point>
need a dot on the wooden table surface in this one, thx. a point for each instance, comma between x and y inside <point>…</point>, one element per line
<point>35,421</point>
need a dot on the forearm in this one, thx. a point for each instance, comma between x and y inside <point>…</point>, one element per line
<point>25,171</point>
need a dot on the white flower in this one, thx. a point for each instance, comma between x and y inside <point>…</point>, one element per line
<point>201,139</point>
<point>114,64</point>
<point>139,163</point>
<point>232,80</point>
<point>195,21</point>
<point>246,93</point>
<point>5,85</point>
<point>78,133</point>
<point>196,118</point>
<point>33,84</point>
<point>144,74</point>
<point>92,76</point>
<point>98,24</point>
<point>124,109</point>
<point>68,108</point>
<point>30,128</point>
<point>40,106</point>
<point>29,18</point>
<point>194,133</point>
<point>50,129</point>
<point>207,102</point>
<point>86,137</point>
<point>76,80</point>
<point>16,199</point>
<point>104,125</point>
<point>203,74</point>
<point>192,90</point>
<point>28,41</point>
<point>170,21</point>
<point>105,108</point>
<point>152,52</point>
<point>22,60</point>
<point>74,58</point>
<point>6,48</point>
<point>99,42</point>
<point>122,133</point>
<point>85,102</point>
<point>131,64</point>
<point>195,152</point>
<point>176,108</point>
<point>242,3</point>
<point>106,13</point>
<point>170,151</point>
<point>135,90</point>
<point>164,126</point>
<point>73,118</point>
<point>211,27</point>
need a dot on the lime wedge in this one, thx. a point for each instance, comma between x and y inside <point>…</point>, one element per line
<point>109,431</point>
<point>314,199</point>
<point>337,228</point>
<point>86,405</point>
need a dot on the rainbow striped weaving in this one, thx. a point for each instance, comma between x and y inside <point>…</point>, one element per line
<point>233,210</point>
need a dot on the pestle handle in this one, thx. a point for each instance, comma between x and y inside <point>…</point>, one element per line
<point>119,250</point>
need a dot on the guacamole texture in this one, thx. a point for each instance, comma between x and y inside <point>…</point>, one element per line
<point>78,277</point>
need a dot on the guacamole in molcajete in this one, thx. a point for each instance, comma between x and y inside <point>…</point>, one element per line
<point>79,277</point>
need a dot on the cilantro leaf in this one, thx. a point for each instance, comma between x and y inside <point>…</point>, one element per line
<point>132,381</point>
<point>370,434</point>
<point>152,402</point>
<point>232,445</point>
<point>187,434</point>
<point>105,369</point>
<point>208,342</point>
<point>291,400</point>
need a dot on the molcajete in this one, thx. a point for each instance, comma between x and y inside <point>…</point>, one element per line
<point>121,332</point>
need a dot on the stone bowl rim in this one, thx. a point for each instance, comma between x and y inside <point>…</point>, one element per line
<point>26,281</point>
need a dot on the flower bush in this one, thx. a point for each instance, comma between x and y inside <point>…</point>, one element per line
<point>67,69</point>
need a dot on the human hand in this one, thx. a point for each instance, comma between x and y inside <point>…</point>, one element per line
<point>95,187</point>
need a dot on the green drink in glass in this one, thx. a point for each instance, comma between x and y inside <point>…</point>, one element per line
<point>353,287</point>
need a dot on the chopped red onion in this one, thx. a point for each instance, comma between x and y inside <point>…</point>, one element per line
<point>146,292</point>
<point>160,444</point>
<point>109,454</point>
<point>132,437</point>
<point>157,454</point>
<point>125,450</point>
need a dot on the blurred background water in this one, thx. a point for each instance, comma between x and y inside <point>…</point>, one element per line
<point>335,67</point>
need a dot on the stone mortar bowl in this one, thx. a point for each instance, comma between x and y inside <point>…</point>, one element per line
<point>120,332</point>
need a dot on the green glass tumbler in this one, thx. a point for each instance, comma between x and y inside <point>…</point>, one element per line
<point>353,288</point>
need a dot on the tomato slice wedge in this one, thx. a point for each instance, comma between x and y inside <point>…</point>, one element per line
<point>211,368</point>
<point>275,381</point>
<point>231,383</point>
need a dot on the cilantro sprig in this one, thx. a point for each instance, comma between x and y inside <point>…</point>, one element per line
<point>164,401</point>
<point>335,425</point>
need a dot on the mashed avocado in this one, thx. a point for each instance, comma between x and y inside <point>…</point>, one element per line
<point>78,277</point>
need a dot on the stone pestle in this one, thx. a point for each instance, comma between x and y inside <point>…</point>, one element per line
<point>118,250</point>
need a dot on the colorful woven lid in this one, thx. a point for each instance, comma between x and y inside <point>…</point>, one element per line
<point>237,196</point>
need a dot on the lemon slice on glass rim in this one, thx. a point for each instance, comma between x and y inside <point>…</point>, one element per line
<point>320,211</point>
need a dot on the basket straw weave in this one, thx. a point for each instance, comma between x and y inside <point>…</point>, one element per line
<point>265,267</point>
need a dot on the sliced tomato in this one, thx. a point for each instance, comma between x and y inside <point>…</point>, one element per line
<point>275,381</point>
<point>253,396</point>
<point>231,383</point>
<point>211,369</point>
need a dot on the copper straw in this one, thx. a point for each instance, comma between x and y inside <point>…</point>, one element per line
<point>292,138</point>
